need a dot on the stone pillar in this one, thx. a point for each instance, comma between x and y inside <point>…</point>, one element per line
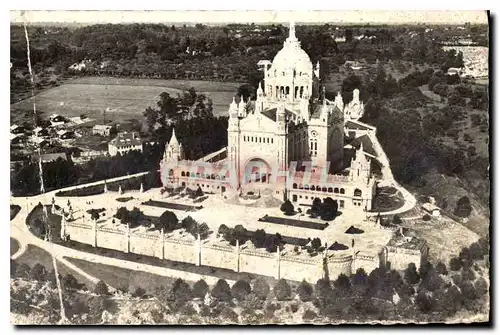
<point>120,192</point>
<point>142,188</point>
<point>94,229</point>
<point>278,258</point>
<point>197,251</point>
<point>162,244</point>
<point>63,227</point>
<point>237,256</point>
<point>127,236</point>
<point>105,188</point>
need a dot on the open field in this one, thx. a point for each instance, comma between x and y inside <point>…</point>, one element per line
<point>125,98</point>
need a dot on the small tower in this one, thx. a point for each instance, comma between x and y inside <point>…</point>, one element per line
<point>173,150</point>
<point>360,166</point>
<point>242,107</point>
<point>339,102</point>
<point>316,70</point>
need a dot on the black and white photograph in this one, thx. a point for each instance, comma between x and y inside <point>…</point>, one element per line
<point>249,167</point>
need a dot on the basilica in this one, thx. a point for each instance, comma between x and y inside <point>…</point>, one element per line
<point>291,140</point>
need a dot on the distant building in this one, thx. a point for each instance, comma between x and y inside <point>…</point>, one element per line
<point>40,142</point>
<point>16,138</point>
<point>125,142</point>
<point>65,134</point>
<point>15,129</point>
<point>85,156</point>
<point>432,209</point>
<point>454,71</point>
<point>40,132</point>
<point>340,39</point>
<point>57,120</point>
<point>100,129</point>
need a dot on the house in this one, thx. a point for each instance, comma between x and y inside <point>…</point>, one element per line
<point>454,71</point>
<point>85,156</point>
<point>65,134</point>
<point>15,129</point>
<point>40,132</point>
<point>432,209</point>
<point>103,130</point>
<point>46,158</point>
<point>125,142</point>
<point>340,39</point>
<point>57,120</point>
<point>40,142</point>
<point>16,138</point>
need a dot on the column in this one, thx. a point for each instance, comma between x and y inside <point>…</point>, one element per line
<point>94,228</point>
<point>63,227</point>
<point>197,253</point>
<point>237,256</point>
<point>127,236</point>
<point>278,257</point>
<point>162,244</point>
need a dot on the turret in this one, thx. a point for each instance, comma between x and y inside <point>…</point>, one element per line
<point>242,107</point>
<point>316,70</point>
<point>173,150</point>
<point>339,102</point>
<point>360,166</point>
<point>260,91</point>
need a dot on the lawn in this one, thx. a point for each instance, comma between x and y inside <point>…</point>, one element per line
<point>125,98</point>
<point>34,255</point>
<point>170,205</point>
<point>14,246</point>
<point>294,223</point>
<point>122,278</point>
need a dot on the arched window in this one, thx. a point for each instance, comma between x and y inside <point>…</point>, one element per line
<point>296,91</point>
<point>171,172</point>
<point>197,175</point>
<point>217,177</point>
<point>301,91</point>
<point>336,190</point>
<point>306,187</point>
<point>357,192</point>
<point>287,92</point>
<point>330,190</point>
<point>294,185</point>
<point>301,187</point>
<point>187,174</point>
<point>183,174</point>
<point>323,189</point>
<point>342,191</point>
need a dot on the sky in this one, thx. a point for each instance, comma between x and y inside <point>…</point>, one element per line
<point>360,16</point>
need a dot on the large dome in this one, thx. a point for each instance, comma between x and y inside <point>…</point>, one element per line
<point>292,56</point>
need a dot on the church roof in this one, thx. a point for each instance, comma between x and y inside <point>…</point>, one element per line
<point>367,144</point>
<point>292,56</point>
<point>271,113</point>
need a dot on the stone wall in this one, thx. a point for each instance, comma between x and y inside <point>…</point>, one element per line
<point>226,257</point>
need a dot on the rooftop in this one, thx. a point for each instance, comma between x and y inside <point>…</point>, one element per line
<point>271,113</point>
<point>367,144</point>
<point>52,157</point>
<point>126,139</point>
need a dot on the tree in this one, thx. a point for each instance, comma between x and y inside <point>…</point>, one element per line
<point>261,288</point>
<point>180,293</point>
<point>316,243</point>
<point>122,214</point>
<point>222,291</point>
<point>360,277</point>
<point>481,286</point>
<point>329,209</point>
<point>455,264</point>
<point>259,238</point>
<point>37,272</point>
<point>241,289</point>
<point>199,192</point>
<point>476,251</point>
<point>431,281</point>
<point>305,291</point>
<point>168,221</point>
<point>272,242</point>
<point>441,268</point>
<point>463,208</point>
<point>139,292</point>
<point>101,288</point>
<point>96,307</point>
<point>411,275</point>
<point>223,230</point>
<point>316,207</point>
<point>282,290</point>
<point>200,289</point>
<point>343,283</point>
<point>287,208</point>
<point>424,301</point>
<point>22,270</point>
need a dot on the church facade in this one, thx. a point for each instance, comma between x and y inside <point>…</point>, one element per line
<point>289,140</point>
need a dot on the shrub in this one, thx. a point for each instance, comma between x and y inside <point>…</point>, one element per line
<point>455,264</point>
<point>426,217</point>
<point>272,242</point>
<point>200,289</point>
<point>294,308</point>
<point>305,291</point>
<point>261,288</point>
<point>223,229</point>
<point>69,281</point>
<point>22,270</point>
<point>180,293</point>
<point>253,302</point>
<point>221,291</point>
<point>282,290</point>
<point>481,286</point>
<point>230,315</point>
<point>96,307</point>
<point>316,243</point>
<point>396,219</point>
<point>343,282</point>
<point>287,208</point>
<point>241,289</point>
<point>476,251</point>
<point>411,275</point>
<point>101,288</point>
<point>168,221</point>
<point>424,302</point>
<point>37,272</point>
<point>259,238</point>
<point>468,274</point>
<point>463,208</point>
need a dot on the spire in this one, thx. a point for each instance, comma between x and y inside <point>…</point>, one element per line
<point>291,35</point>
<point>173,139</point>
